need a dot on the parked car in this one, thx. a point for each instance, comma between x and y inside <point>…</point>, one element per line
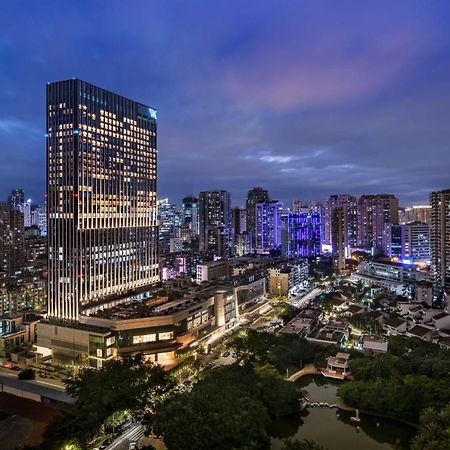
<point>226,354</point>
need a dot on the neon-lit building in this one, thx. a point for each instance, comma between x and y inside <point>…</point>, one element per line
<point>301,235</point>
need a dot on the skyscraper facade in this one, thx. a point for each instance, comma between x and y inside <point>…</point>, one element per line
<point>374,212</point>
<point>215,222</point>
<point>101,197</point>
<point>190,213</point>
<point>348,204</point>
<point>440,240</point>
<point>12,247</point>
<point>338,235</point>
<point>268,226</point>
<point>254,196</point>
<point>420,213</point>
<point>16,199</point>
<point>301,235</point>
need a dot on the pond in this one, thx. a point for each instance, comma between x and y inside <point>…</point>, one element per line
<point>332,427</point>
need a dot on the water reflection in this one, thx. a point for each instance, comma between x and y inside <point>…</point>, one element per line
<point>333,428</point>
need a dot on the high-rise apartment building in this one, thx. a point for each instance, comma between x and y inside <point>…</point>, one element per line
<point>301,235</point>
<point>268,226</point>
<point>374,212</point>
<point>26,210</point>
<point>254,196</point>
<point>348,204</point>
<point>420,213</point>
<point>440,240</point>
<point>215,223</point>
<point>101,197</point>
<point>338,235</point>
<point>12,247</point>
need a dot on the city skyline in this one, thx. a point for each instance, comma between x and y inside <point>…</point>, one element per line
<point>310,116</point>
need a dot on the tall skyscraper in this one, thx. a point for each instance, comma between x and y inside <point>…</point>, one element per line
<point>338,237</point>
<point>301,235</point>
<point>348,204</point>
<point>12,248</point>
<point>215,223</point>
<point>190,213</point>
<point>268,226</point>
<point>26,210</point>
<point>374,212</point>
<point>254,196</point>
<point>169,224</point>
<point>16,199</point>
<point>239,220</point>
<point>440,240</point>
<point>101,197</point>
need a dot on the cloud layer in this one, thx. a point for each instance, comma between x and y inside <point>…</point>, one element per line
<point>304,98</point>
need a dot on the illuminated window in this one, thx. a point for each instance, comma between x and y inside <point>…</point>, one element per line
<point>165,336</point>
<point>144,338</point>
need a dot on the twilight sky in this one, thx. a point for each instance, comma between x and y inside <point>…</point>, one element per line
<point>304,98</point>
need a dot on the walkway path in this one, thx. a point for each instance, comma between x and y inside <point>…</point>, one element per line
<point>309,369</point>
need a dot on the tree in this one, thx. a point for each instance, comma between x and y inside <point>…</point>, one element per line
<point>229,409</point>
<point>107,397</point>
<point>434,431</point>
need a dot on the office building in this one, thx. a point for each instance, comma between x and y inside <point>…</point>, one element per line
<point>215,223</point>
<point>26,210</point>
<point>301,235</point>
<point>190,214</point>
<point>416,242</point>
<point>239,220</point>
<point>169,224</point>
<point>440,240</point>
<point>392,240</point>
<point>268,226</point>
<point>101,197</point>
<point>254,196</point>
<point>16,199</point>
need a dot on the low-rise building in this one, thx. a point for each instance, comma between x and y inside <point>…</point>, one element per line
<point>397,278</point>
<point>441,321</point>
<point>374,344</point>
<point>395,325</point>
<point>421,332</point>
<point>288,276</point>
<point>337,366</point>
<point>213,270</point>
<point>17,331</point>
<point>424,292</point>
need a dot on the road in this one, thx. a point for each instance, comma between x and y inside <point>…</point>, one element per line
<point>300,301</point>
<point>133,434</point>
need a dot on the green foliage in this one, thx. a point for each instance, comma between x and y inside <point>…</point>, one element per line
<point>366,325</point>
<point>434,431</point>
<point>279,350</point>
<point>108,397</point>
<point>229,409</point>
<point>304,444</point>
<point>26,374</point>
<point>411,377</point>
<point>403,398</point>
<point>287,311</point>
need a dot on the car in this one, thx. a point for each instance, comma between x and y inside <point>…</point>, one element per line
<point>15,368</point>
<point>7,365</point>
<point>226,354</point>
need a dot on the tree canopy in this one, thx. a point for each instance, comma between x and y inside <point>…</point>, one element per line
<point>229,409</point>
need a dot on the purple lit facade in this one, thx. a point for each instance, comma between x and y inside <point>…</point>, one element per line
<point>301,235</point>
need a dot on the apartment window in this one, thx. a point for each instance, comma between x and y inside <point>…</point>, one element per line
<point>99,353</point>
